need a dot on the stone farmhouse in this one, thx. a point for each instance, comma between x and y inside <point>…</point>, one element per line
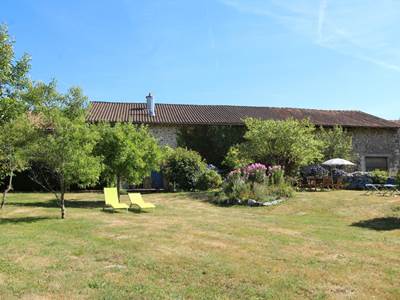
<point>376,141</point>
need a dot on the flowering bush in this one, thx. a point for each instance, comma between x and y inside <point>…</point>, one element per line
<point>314,171</point>
<point>235,174</point>
<point>358,180</point>
<point>255,172</point>
<point>336,173</point>
<point>256,181</point>
<point>276,175</point>
<point>235,186</point>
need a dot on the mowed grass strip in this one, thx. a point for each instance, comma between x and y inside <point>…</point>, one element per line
<point>318,245</point>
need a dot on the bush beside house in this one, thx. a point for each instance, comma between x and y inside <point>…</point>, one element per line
<point>185,170</point>
<point>379,176</point>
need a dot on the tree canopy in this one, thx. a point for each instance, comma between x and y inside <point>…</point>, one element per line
<point>65,150</point>
<point>13,78</point>
<point>15,138</point>
<point>337,143</point>
<point>290,143</point>
<point>129,152</point>
<point>14,127</point>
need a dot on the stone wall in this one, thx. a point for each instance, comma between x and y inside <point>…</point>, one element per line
<point>377,142</point>
<point>166,135</point>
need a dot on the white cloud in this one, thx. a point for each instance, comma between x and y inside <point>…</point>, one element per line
<point>364,29</point>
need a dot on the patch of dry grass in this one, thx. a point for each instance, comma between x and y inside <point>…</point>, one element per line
<point>318,245</point>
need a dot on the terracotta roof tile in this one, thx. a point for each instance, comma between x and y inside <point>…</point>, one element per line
<point>188,114</point>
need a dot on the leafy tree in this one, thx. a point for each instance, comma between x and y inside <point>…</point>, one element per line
<point>65,149</point>
<point>290,143</point>
<point>129,152</point>
<point>211,142</point>
<point>44,100</point>
<point>15,137</point>
<point>337,143</point>
<point>13,78</point>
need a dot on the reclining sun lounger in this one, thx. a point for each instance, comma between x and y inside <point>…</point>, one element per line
<point>111,199</point>
<point>137,201</point>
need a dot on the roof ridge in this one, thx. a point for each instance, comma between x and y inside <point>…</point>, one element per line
<point>235,106</point>
<point>229,114</point>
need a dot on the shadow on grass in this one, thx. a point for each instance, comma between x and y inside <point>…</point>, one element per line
<point>380,224</point>
<point>208,197</point>
<point>109,210</point>
<point>68,203</point>
<point>212,198</point>
<point>23,220</point>
<point>203,196</point>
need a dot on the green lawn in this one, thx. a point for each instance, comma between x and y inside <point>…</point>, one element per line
<point>318,245</point>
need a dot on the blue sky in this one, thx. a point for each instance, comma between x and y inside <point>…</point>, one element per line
<point>331,54</point>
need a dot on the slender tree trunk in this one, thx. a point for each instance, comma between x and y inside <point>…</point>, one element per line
<point>118,184</point>
<point>62,206</point>
<point>62,201</point>
<point>9,188</point>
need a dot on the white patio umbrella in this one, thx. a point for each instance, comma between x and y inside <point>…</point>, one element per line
<point>338,162</point>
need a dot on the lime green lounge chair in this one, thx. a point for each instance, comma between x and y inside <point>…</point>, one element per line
<point>111,198</point>
<point>137,201</point>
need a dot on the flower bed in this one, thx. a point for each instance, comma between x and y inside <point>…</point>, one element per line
<point>255,185</point>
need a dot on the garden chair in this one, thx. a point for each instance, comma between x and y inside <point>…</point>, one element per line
<point>339,183</point>
<point>111,199</point>
<point>390,190</point>
<point>301,185</point>
<point>312,183</point>
<point>372,188</point>
<point>327,183</point>
<point>138,202</point>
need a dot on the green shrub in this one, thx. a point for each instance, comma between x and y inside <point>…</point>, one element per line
<point>277,175</point>
<point>265,192</point>
<point>235,159</point>
<point>241,190</point>
<point>282,190</point>
<point>379,176</point>
<point>210,179</point>
<point>236,188</point>
<point>183,169</point>
<point>261,192</point>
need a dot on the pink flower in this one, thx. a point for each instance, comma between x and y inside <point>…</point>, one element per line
<point>235,172</point>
